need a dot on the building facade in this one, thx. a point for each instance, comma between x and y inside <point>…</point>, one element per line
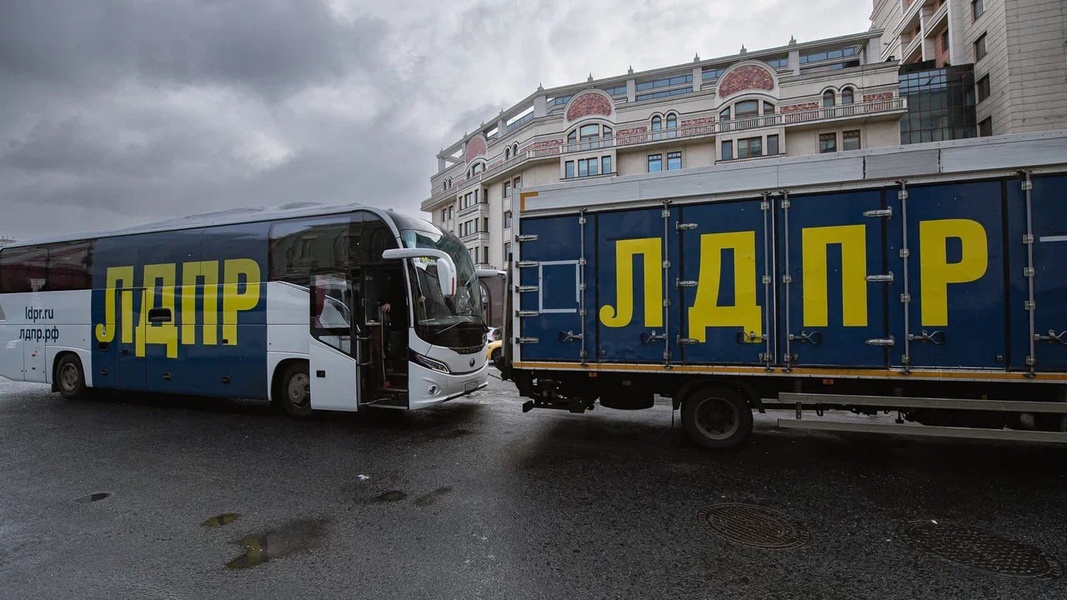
<point>1018,49</point>
<point>831,95</point>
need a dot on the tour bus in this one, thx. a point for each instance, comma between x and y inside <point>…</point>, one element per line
<point>311,307</point>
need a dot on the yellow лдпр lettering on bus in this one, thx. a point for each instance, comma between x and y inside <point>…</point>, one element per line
<point>241,290</point>
<point>159,278</point>
<point>233,299</point>
<point>208,271</point>
<point>119,289</point>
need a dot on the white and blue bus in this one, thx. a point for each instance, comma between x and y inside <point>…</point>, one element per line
<point>310,307</point>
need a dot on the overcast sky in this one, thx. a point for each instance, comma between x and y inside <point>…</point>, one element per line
<point>115,113</point>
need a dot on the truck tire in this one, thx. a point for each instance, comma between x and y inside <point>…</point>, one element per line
<point>294,391</point>
<point>716,417</point>
<point>70,378</point>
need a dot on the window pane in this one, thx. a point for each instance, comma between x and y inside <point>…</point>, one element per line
<point>70,266</point>
<point>655,163</point>
<point>772,145</point>
<point>674,161</point>
<point>672,121</point>
<point>605,163</point>
<point>827,142</point>
<point>728,150</point>
<point>583,168</point>
<point>590,131</point>
<point>592,166</point>
<point>569,169</point>
<point>828,99</point>
<point>657,123</point>
<point>749,147</point>
<point>747,108</point>
<point>850,140</point>
<point>847,96</point>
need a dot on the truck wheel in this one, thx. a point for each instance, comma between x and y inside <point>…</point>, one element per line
<point>716,417</point>
<point>70,379</point>
<point>294,391</point>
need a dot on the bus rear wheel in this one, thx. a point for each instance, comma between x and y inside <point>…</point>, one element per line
<point>70,378</point>
<point>294,391</point>
<point>716,417</point>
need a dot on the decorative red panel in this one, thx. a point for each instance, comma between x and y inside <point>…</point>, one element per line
<point>475,148</point>
<point>589,103</point>
<point>877,97</point>
<point>748,77</point>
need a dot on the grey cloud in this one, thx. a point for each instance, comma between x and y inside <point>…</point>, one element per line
<point>270,46</point>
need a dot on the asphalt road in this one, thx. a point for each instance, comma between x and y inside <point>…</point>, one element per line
<point>477,500</point>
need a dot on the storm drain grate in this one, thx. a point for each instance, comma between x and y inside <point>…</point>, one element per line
<point>754,526</point>
<point>973,547</point>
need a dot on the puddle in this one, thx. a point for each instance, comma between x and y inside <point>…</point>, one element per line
<point>93,497</point>
<point>221,520</point>
<point>432,497</point>
<point>283,541</point>
<point>392,496</point>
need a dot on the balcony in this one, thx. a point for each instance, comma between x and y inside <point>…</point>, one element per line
<point>930,23</point>
<point>480,237</point>
<point>888,106</point>
<point>909,50</point>
<point>479,207</point>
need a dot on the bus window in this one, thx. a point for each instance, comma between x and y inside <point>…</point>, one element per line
<point>24,269</point>
<point>70,266</point>
<point>299,247</point>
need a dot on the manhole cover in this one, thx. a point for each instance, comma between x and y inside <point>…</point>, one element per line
<point>754,526</point>
<point>973,547</point>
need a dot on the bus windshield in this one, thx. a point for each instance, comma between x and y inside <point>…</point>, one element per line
<point>452,322</point>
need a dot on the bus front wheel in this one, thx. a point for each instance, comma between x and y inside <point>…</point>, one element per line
<point>70,378</point>
<point>294,391</point>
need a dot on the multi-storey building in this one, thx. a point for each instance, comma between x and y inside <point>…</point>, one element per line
<point>1017,48</point>
<point>829,95</point>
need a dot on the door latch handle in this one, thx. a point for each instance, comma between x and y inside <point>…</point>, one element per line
<point>1052,337</point>
<point>814,338</point>
<point>648,338</point>
<point>936,338</point>
<point>569,336</point>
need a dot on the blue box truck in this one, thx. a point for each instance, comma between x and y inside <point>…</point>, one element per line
<point>927,280</point>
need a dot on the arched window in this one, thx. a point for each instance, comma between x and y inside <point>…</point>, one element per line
<point>515,149</point>
<point>672,125</point>
<point>507,153</point>
<point>847,96</point>
<point>588,137</point>
<point>828,99</point>
<point>657,123</point>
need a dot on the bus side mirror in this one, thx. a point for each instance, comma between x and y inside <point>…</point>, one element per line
<point>446,278</point>
<point>446,269</point>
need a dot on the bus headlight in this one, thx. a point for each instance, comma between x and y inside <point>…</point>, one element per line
<point>429,363</point>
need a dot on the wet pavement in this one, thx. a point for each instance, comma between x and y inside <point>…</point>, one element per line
<point>132,497</point>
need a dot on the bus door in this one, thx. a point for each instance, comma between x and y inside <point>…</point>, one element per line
<point>334,351</point>
<point>386,341</point>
